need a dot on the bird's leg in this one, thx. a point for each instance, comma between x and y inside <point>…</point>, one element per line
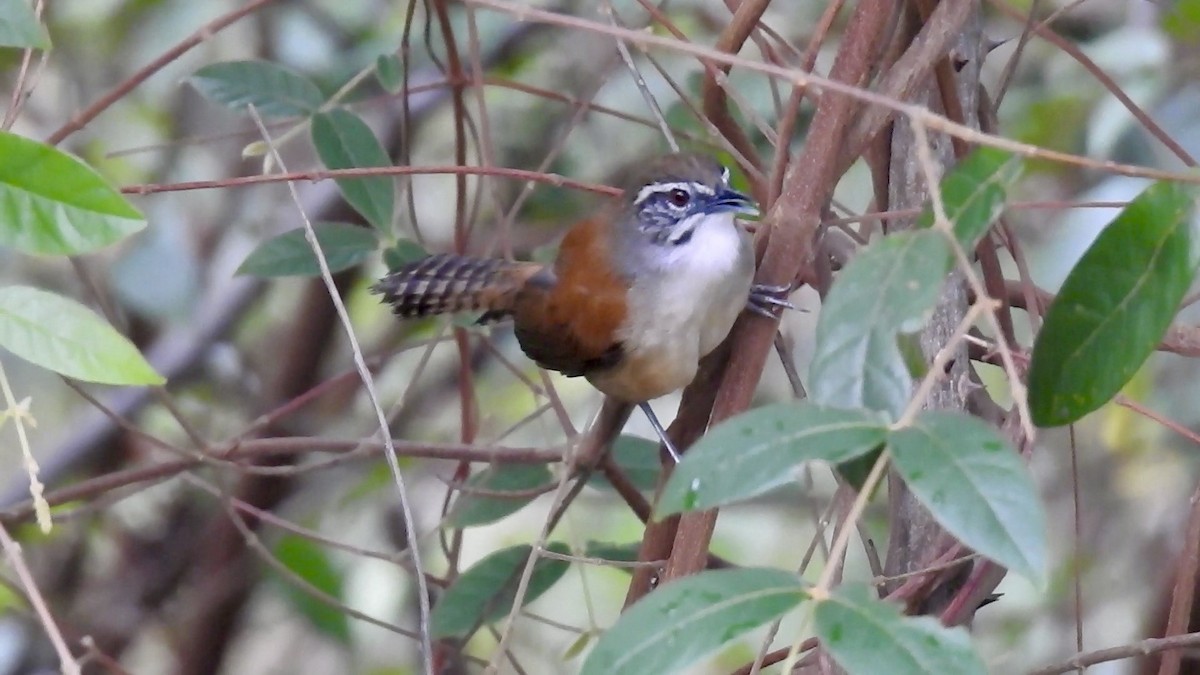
<point>764,298</point>
<point>658,427</point>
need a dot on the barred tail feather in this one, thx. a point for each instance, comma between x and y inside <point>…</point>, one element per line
<point>447,283</point>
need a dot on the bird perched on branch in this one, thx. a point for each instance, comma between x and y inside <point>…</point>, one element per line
<point>637,295</point>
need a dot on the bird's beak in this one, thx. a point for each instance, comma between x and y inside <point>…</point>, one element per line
<point>734,201</point>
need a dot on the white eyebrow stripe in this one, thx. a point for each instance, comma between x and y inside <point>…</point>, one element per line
<point>725,175</point>
<point>663,188</point>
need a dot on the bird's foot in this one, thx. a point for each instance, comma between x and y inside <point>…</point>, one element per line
<point>765,298</point>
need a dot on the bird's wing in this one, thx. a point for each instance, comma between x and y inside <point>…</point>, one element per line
<point>569,319</point>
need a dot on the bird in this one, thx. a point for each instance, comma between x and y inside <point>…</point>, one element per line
<point>637,294</point>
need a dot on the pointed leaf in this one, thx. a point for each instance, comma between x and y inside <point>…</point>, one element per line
<point>19,26</point>
<point>53,204</point>
<point>638,459</point>
<point>471,509</point>
<point>309,561</point>
<point>868,636</point>
<point>1115,306</point>
<point>344,141</point>
<point>681,622</point>
<point>889,288</point>
<point>389,70</point>
<point>289,254</point>
<point>761,449</point>
<point>485,592</point>
<point>62,335</point>
<point>976,486</point>
<point>974,192</point>
<point>273,90</point>
<point>402,253</point>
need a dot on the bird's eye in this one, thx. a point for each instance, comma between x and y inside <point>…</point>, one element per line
<point>679,197</point>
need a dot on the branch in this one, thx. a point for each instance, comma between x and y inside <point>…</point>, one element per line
<point>791,227</point>
<point>1143,648</point>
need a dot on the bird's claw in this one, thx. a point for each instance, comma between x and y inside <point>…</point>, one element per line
<point>765,298</point>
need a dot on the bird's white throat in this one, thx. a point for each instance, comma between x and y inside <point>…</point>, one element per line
<point>698,288</point>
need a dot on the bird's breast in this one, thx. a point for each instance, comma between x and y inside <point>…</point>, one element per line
<point>682,311</point>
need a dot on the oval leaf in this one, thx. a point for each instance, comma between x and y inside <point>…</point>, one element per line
<point>974,193</point>
<point>53,204</point>
<point>290,254</point>
<point>389,70</point>
<point>308,561</point>
<point>862,632</point>
<point>272,89</point>
<point>637,458</point>
<point>62,335</point>
<point>759,450</point>
<point>472,509</point>
<point>684,620</point>
<point>1114,307</point>
<point>343,141</point>
<point>485,592</point>
<point>889,288</point>
<point>19,26</point>
<point>976,487</point>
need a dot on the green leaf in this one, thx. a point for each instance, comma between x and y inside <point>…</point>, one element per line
<point>976,486</point>
<point>974,192</point>
<point>679,623</point>
<point>389,71</point>
<point>273,90</point>
<point>1115,306</point>
<point>856,471</point>
<point>638,459</point>
<point>62,335</point>
<point>343,141</point>
<point>308,561</point>
<point>53,204</point>
<point>1181,20</point>
<point>866,370</point>
<point>761,449</point>
<point>289,254</point>
<point>402,253</point>
<point>575,649</point>
<point>19,26</point>
<point>485,592</point>
<point>862,633</point>
<point>470,509</point>
<point>604,550</point>
<point>889,288</point>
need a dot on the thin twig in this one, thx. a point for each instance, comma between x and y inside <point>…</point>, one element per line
<point>362,172</point>
<point>1183,593</point>
<point>19,93</point>
<point>12,551</point>
<point>539,546</point>
<point>1076,544</point>
<point>1142,648</point>
<point>942,223</point>
<point>917,112</point>
<point>18,412</point>
<point>118,92</point>
<point>369,385</point>
<point>640,81</point>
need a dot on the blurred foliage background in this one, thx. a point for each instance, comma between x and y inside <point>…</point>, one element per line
<point>154,572</point>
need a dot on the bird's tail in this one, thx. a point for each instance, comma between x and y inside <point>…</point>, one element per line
<point>448,283</point>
